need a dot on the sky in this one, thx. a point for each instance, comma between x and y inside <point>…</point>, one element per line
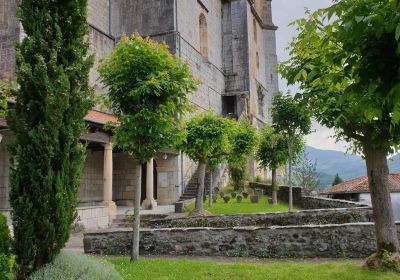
<point>285,12</point>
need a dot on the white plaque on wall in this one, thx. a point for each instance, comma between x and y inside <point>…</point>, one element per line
<point>163,179</point>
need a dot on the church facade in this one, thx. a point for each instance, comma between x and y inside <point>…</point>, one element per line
<point>231,47</point>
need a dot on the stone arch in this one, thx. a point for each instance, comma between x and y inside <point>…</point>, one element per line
<point>203,30</point>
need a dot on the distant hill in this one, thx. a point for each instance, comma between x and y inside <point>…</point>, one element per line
<point>347,166</point>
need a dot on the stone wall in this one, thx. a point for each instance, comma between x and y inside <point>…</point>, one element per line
<point>124,179</point>
<point>91,189</point>
<point>316,217</point>
<point>95,217</point>
<point>313,202</point>
<point>283,192</point>
<point>9,36</point>
<point>355,240</point>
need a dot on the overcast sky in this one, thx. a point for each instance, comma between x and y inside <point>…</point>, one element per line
<point>285,12</point>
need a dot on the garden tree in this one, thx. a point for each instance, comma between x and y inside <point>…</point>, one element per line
<point>148,89</point>
<point>209,138</point>
<point>272,152</point>
<point>346,59</point>
<point>7,90</point>
<point>306,175</point>
<point>293,120</point>
<point>337,180</point>
<point>52,99</point>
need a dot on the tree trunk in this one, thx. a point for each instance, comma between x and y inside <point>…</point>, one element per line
<point>290,146</point>
<point>211,190</point>
<point>378,178</point>
<point>136,216</point>
<point>274,192</point>
<point>200,190</point>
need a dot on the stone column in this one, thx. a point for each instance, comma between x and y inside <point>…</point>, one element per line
<point>108,180</point>
<point>149,202</point>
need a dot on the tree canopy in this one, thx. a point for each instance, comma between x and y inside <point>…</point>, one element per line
<point>148,89</point>
<point>346,59</point>
<point>337,180</point>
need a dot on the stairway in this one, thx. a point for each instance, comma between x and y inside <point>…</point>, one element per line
<point>191,189</point>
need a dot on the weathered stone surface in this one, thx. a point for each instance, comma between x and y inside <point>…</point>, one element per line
<point>331,216</point>
<point>355,240</point>
<point>313,202</point>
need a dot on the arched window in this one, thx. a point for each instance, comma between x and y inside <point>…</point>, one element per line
<point>203,35</point>
<point>255,29</point>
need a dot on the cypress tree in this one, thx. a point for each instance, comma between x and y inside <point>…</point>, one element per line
<point>53,98</point>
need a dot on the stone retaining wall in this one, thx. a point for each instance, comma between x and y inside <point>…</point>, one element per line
<point>314,202</point>
<point>355,240</point>
<point>283,192</point>
<point>327,216</point>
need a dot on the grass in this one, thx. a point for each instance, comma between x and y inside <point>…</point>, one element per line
<point>245,207</point>
<point>178,269</point>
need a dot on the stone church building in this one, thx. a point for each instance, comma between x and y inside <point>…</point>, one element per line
<point>231,47</point>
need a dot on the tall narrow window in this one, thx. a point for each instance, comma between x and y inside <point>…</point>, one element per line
<point>255,29</point>
<point>257,60</point>
<point>203,35</point>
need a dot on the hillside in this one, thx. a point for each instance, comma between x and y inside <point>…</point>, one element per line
<point>348,166</point>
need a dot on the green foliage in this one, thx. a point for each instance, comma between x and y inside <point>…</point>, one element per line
<point>148,90</point>
<point>5,244</point>
<point>51,102</point>
<point>337,180</point>
<point>212,137</point>
<point>238,172</point>
<point>290,117</point>
<point>207,136</point>
<point>346,59</point>
<point>7,90</point>
<point>272,150</point>
<point>71,266</point>
<point>5,238</point>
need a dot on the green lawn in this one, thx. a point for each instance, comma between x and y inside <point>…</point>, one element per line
<point>178,269</point>
<point>245,207</point>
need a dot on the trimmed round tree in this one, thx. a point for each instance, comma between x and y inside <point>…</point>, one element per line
<point>210,138</point>
<point>272,152</point>
<point>346,59</point>
<point>51,103</point>
<point>148,89</point>
<point>293,120</point>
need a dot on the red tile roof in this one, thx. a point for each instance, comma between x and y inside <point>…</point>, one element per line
<point>100,117</point>
<point>360,185</point>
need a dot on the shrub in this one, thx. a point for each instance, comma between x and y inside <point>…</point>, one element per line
<point>226,199</point>
<point>5,238</point>
<point>71,266</point>
<point>233,194</point>
<point>5,244</point>
<point>258,179</point>
<point>239,198</point>
<point>222,194</point>
<point>245,194</point>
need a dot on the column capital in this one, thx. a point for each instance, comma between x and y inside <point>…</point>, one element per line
<point>108,146</point>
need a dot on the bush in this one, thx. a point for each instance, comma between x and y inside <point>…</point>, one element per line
<point>222,194</point>
<point>245,194</point>
<point>226,199</point>
<point>233,194</point>
<point>71,266</point>
<point>5,244</point>
<point>238,174</point>
<point>239,198</point>
<point>5,238</point>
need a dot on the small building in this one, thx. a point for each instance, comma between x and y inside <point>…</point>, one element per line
<point>358,190</point>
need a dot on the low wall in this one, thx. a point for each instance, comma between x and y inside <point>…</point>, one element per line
<point>283,192</point>
<point>316,202</point>
<point>327,216</point>
<point>355,240</point>
<point>92,217</point>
